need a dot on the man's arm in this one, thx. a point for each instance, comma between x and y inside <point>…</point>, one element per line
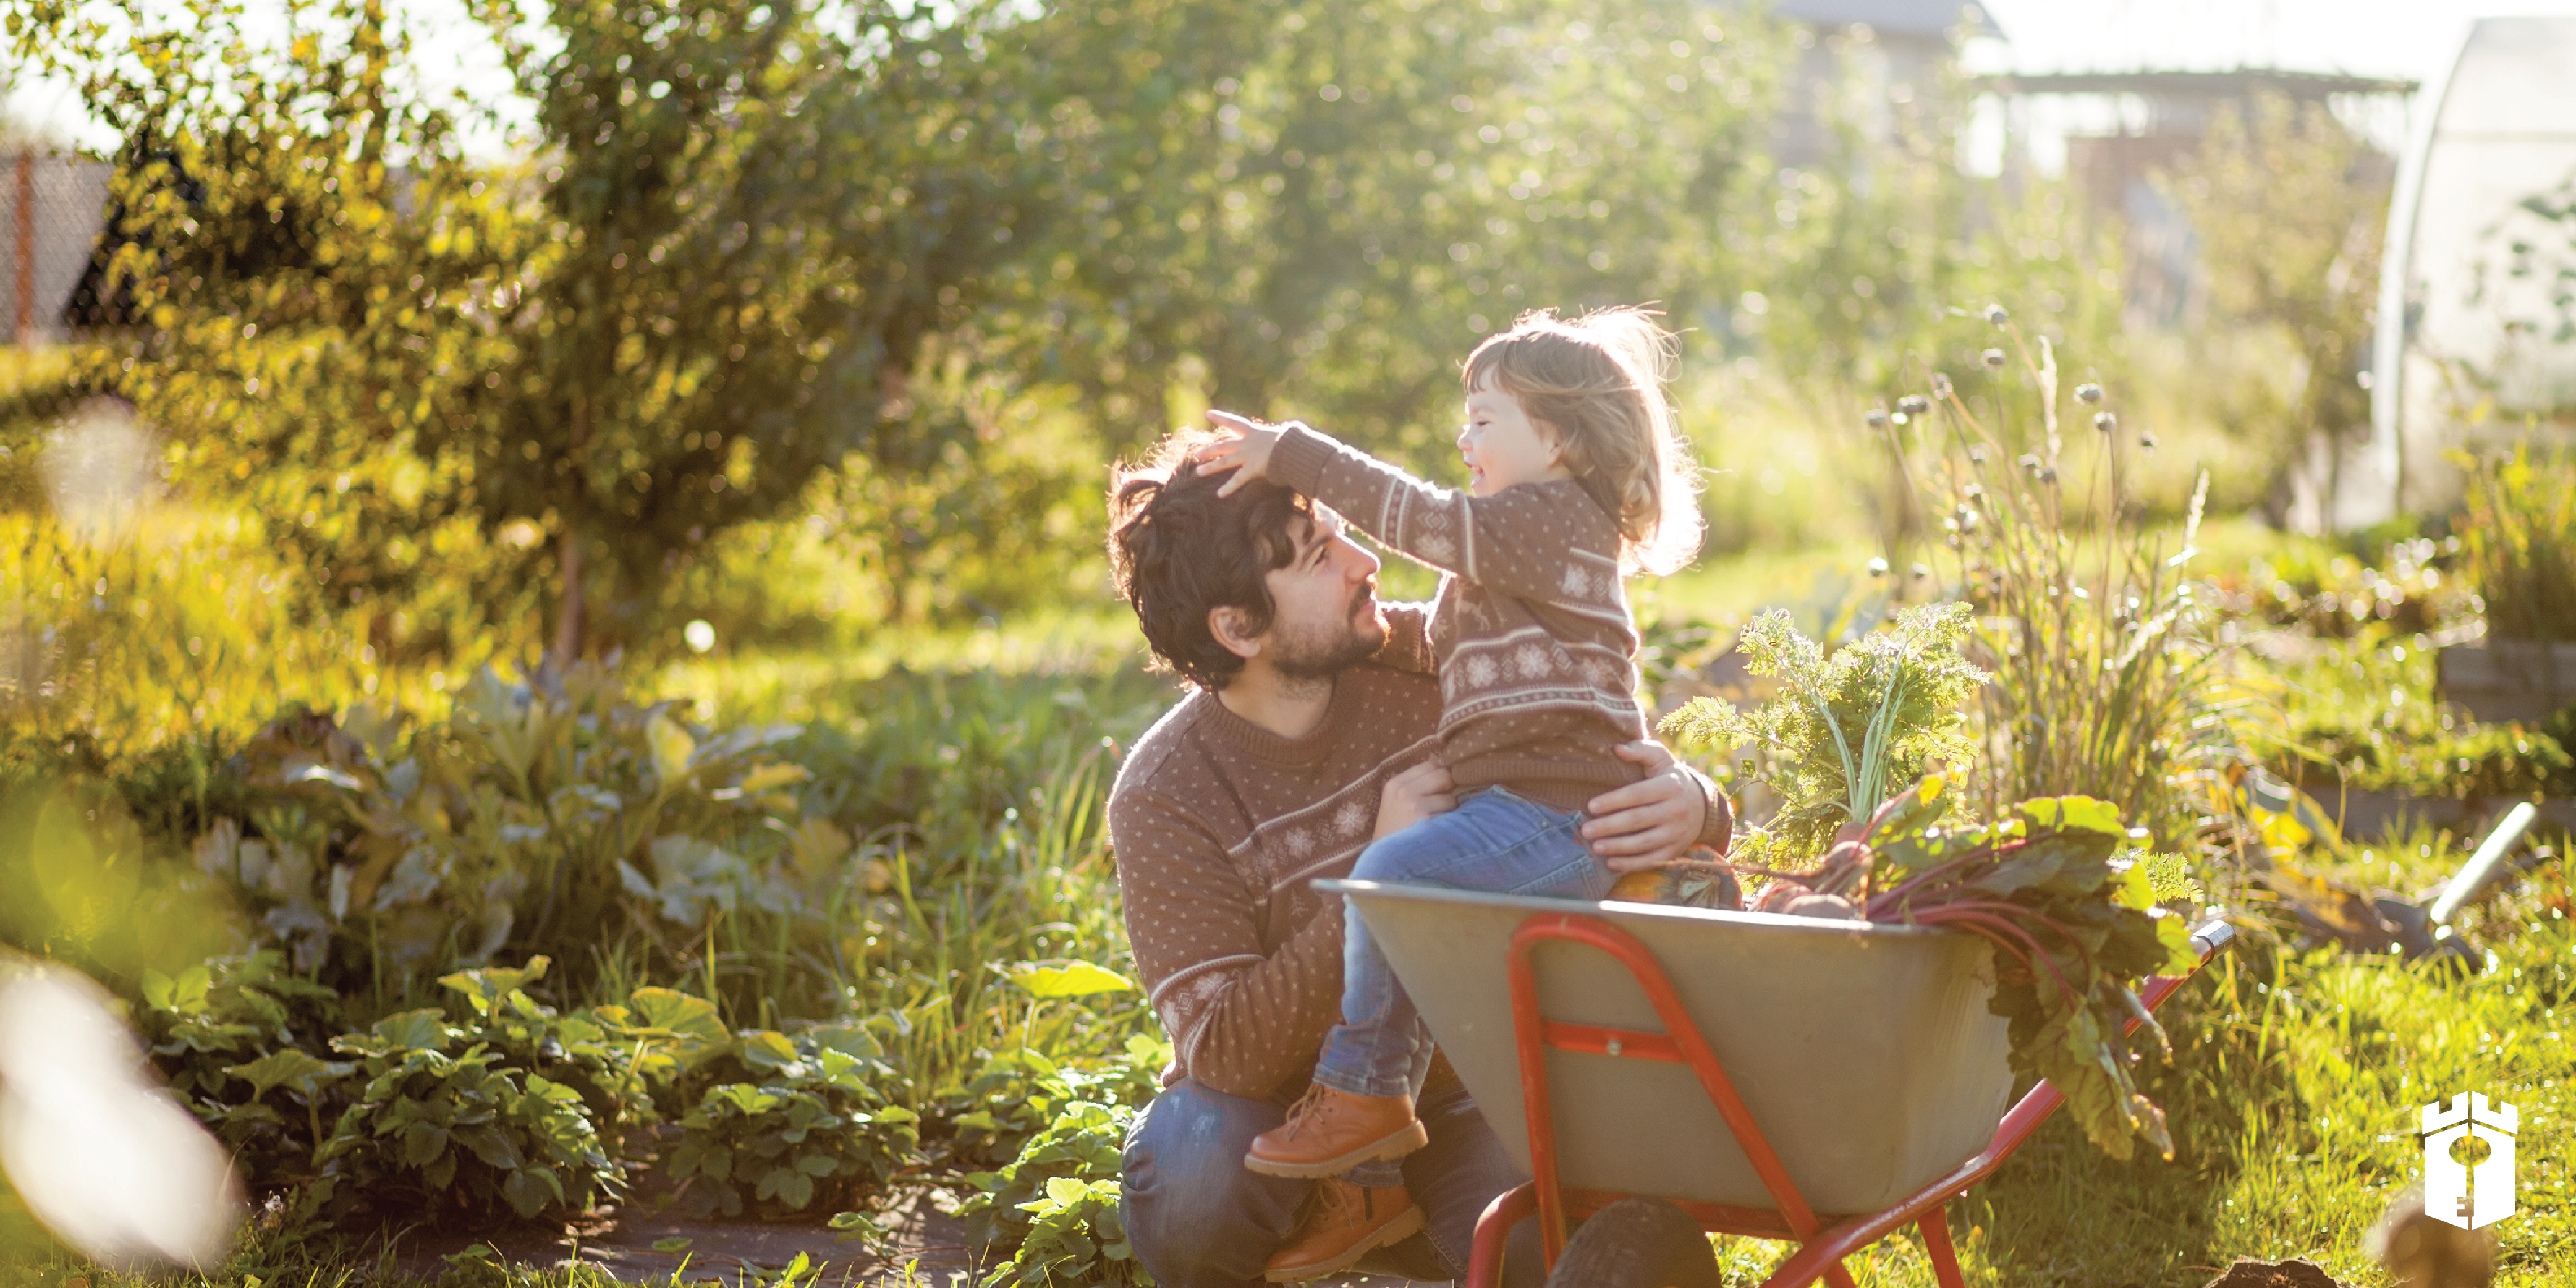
<point>1658,818</point>
<point>1241,1021</point>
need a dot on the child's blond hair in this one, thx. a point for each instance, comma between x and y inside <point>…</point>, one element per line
<point>1598,381</point>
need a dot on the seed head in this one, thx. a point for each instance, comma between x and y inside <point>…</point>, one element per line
<point>2105,421</point>
<point>1877,417</point>
<point>1993,358</point>
<point>1877,567</point>
<point>2048,475</point>
<point>1940,385</point>
<point>1914,404</point>
<point>2029,464</point>
<point>1976,456</point>
<point>2147,440</point>
<point>1995,314</point>
<point>2088,392</point>
<point>1922,571</point>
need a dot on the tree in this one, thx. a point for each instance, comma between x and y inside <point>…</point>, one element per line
<point>2289,204</point>
<point>740,228</point>
<point>1318,208</point>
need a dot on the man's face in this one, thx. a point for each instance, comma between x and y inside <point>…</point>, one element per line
<point>1325,615</point>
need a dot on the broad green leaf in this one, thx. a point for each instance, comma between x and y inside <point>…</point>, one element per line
<point>423,1143</point>
<point>769,1049</point>
<point>529,1189</point>
<point>485,988</point>
<point>286,1068</point>
<point>1072,979</point>
<point>664,1008</point>
<point>672,748</point>
<point>672,1245</point>
<point>412,1031</point>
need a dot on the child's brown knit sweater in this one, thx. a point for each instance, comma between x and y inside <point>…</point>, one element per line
<point>1536,653</point>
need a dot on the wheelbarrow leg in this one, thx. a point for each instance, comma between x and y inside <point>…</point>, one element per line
<point>1935,1226</point>
<point>1494,1231</point>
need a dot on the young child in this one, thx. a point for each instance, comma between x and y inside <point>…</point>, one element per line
<point>1576,477</point>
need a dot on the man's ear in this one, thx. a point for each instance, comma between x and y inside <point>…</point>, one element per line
<point>1229,625</point>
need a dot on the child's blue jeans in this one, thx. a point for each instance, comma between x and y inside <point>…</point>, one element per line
<point>1493,841</point>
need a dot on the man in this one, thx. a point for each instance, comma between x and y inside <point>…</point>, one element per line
<point>1309,735</point>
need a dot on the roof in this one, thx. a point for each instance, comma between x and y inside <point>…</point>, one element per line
<point>1904,17</point>
<point>2233,83</point>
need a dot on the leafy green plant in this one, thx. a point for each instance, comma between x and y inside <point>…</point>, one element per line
<point>447,1124</point>
<point>2518,542</point>
<point>247,1019</point>
<point>1847,731</point>
<point>1083,1143</point>
<point>816,1125</point>
<point>2062,891</point>
<point>1075,1236</point>
<point>537,815</point>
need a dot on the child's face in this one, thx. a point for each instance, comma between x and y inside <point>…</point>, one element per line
<point>1503,446</point>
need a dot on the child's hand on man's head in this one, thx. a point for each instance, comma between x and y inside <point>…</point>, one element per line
<point>1246,451</point>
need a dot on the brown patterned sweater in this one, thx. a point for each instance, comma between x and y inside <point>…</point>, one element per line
<point>1220,827</point>
<point>1531,635</point>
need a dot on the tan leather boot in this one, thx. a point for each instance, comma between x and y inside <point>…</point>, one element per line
<point>1343,1222</point>
<point>1329,1132</point>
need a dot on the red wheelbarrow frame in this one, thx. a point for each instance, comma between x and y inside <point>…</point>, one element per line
<point>1824,1241</point>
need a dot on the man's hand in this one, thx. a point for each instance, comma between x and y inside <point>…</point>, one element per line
<point>1412,796</point>
<point>1247,453</point>
<point>1650,822</point>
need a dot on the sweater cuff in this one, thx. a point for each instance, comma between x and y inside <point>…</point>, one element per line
<point>1717,825</point>
<point>1297,461</point>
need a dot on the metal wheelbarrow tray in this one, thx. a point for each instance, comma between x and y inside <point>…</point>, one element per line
<point>1823,1082</point>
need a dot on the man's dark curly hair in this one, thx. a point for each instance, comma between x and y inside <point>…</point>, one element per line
<point>1177,551</point>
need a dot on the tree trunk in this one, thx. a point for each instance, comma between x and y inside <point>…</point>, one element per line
<point>567,648</point>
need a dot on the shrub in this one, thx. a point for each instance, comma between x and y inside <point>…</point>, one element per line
<point>816,1126</point>
<point>1075,1236</point>
<point>1083,1144</point>
<point>447,1124</point>
<point>538,816</point>
<point>247,1020</point>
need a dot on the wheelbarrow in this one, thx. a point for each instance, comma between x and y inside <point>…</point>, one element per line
<point>1824,1083</point>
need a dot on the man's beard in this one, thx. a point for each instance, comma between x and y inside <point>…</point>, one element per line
<point>1320,655</point>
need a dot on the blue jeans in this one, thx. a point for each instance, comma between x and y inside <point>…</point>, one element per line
<point>1493,841</point>
<point>1199,1219</point>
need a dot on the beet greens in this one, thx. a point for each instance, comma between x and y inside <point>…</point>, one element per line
<point>2069,904</point>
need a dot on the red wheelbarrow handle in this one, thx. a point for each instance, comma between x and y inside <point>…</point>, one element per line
<point>1821,1255</point>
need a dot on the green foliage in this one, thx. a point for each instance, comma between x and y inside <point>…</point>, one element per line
<point>2518,542</point>
<point>536,815</point>
<point>247,1019</point>
<point>992,1114</point>
<point>2056,887</point>
<point>442,1122</point>
<point>1083,1143</point>
<point>815,1127</point>
<point>2106,682</point>
<point>1848,731</point>
<point>1075,1236</point>
<point>1318,208</point>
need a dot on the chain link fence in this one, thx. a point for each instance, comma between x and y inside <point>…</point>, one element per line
<point>53,210</point>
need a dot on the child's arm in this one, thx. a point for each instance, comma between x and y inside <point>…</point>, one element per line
<point>1548,543</point>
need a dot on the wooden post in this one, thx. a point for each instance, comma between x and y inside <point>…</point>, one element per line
<point>26,279</point>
